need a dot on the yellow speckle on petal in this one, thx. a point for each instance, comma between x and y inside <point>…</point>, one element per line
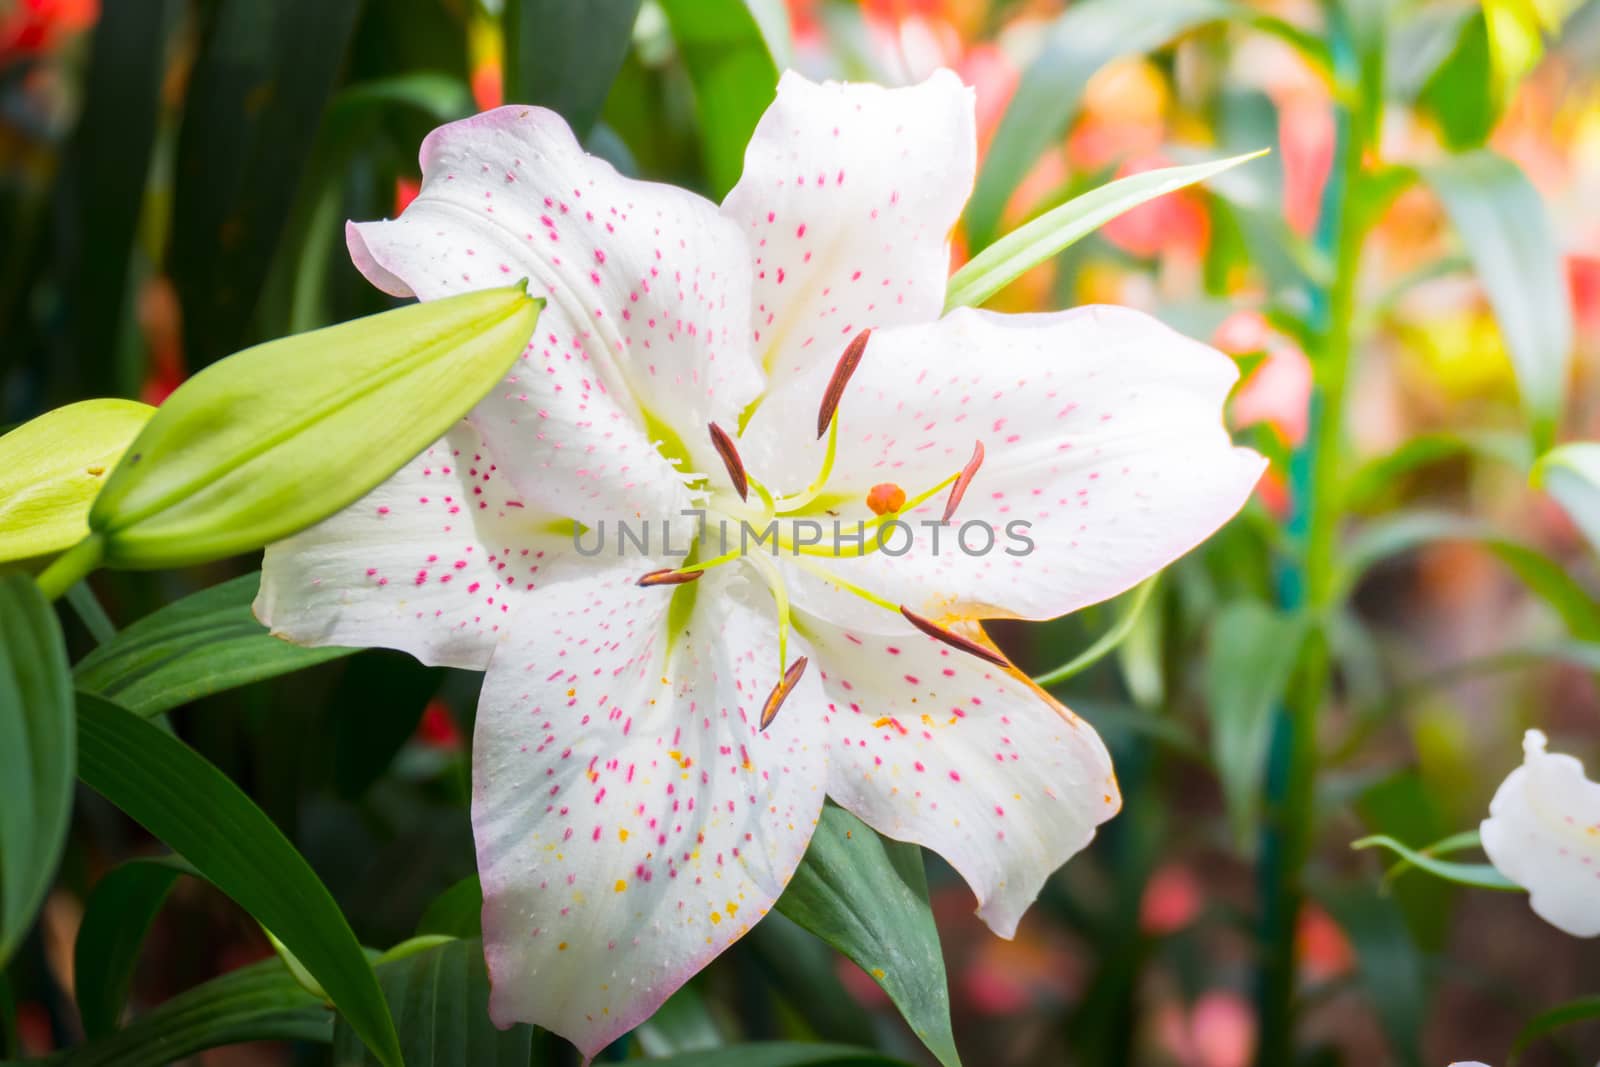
<point>622,885</point>
<point>716,917</point>
<point>878,973</point>
<point>561,947</point>
<point>622,834</point>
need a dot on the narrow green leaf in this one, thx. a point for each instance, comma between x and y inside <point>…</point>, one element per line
<point>440,1000</point>
<point>1081,41</point>
<point>782,1054</point>
<point>1108,642</point>
<point>38,753</point>
<point>1509,237</point>
<point>457,912</point>
<point>257,1003</point>
<point>1461,93</point>
<point>116,918</point>
<point>1008,258</point>
<point>1388,963</point>
<point>564,56</point>
<point>683,1024</point>
<point>734,77</point>
<point>1376,482</point>
<point>868,897</point>
<point>1477,875</point>
<point>1407,531</point>
<point>1573,1011</point>
<point>51,468</point>
<point>206,643</point>
<point>1253,651</point>
<point>279,436</point>
<point>170,790</point>
<point>257,91</point>
<point>1571,474</point>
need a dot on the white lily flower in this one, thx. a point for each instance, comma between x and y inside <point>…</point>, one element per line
<point>639,803</point>
<point>1543,833</point>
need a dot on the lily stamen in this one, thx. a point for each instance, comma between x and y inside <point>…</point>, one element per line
<point>953,639</point>
<point>668,576</point>
<point>730,459</point>
<point>781,691</point>
<point>964,480</point>
<point>841,377</point>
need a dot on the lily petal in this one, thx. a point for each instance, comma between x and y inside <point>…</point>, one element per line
<point>1103,437</point>
<point>1543,833</point>
<point>848,197</point>
<point>645,332</point>
<point>432,562</point>
<point>631,819</point>
<point>929,744</point>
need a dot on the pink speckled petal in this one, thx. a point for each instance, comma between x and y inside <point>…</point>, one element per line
<point>933,745</point>
<point>649,294</point>
<point>631,821</point>
<point>1543,833</point>
<point>432,562</point>
<point>848,197</point>
<point>1102,430</point>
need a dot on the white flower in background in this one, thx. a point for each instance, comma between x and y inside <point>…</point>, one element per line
<point>639,802</point>
<point>1543,833</point>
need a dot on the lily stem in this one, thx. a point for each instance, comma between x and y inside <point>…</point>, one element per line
<point>71,567</point>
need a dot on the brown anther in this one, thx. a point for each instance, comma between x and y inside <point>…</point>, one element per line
<point>958,490</point>
<point>730,459</point>
<point>886,498</point>
<point>841,377</point>
<point>781,691</point>
<point>670,577</point>
<point>954,640</point>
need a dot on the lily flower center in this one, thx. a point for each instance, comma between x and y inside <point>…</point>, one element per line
<point>777,533</point>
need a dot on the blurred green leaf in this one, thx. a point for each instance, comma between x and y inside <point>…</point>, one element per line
<point>1375,482</point>
<point>257,1003</point>
<point>1409,530</point>
<point>1081,41</point>
<point>206,643</point>
<point>37,754</point>
<point>734,77</point>
<point>868,897</point>
<point>782,1054</point>
<point>683,1024</point>
<point>1573,1011</point>
<point>1477,875</point>
<point>440,1000</point>
<point>804,971</point>
<point>564,56</point>
<point>255,99</point>
<point>457,912</point>
<point>1389,965</point>
<point>116,918</point>
<point>51,468</point>
<point>282,435</point>
<point>1253,651</point>
<point>998,265</point>
<point>1460,95</point>
<point>379,702</point>
<point>170,790</point>
<point>1401,806</point>
<point>1508,235</point>
<point>1571,474</point>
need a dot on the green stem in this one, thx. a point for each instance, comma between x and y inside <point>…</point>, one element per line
<point>72,566</point>
<point>94,617</point>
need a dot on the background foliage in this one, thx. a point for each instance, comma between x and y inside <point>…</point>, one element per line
<point>1410,281</point>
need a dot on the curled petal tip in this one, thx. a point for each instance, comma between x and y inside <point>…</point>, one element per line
<point>953,639</point>
<point>669,576</point>
<point>781,691</point>
<point>841,377</point>
<point>964,479</point>
<point>730,459</point>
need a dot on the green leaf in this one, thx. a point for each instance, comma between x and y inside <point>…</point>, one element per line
<point>206,643</point>
<point>1108,642</point>
<point>457,912</point>
<point>1253,651</point>
<point>279,436</point>
<point>257,1003</point>
<point>1081,41</point>
<point>1477,875</point>
<point>1376,483</point>
<point>37,754</point>
<point>1513,246</point>
<point>868,897</point>
<point>1573,1011</point>
<point>564,56</point>
<point>782,1054</point>
<point>1460,95</point>
<point>256,94</point>
<point>1389,965</point>
<point>440,1000</point>
<point>1406,531</point>
<point>116,918</point>
<point>379,702</point>
<point>734,77</point>
<point>1008,258</point>
<point>170,790</point>
<point>683,1024</point>
<point>1571,474</point>
<point>51,468</point>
